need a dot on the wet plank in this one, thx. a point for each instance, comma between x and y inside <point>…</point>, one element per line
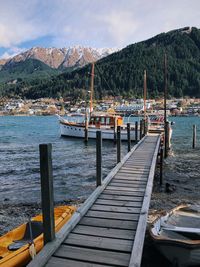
<point>104,232</point>
<point>104,222</point>
<point>112,215</point>
<point>99,242</point>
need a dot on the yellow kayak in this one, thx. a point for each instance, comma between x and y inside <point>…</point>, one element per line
<point>15,245</point>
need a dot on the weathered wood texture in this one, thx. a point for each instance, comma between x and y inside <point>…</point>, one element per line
<point>106,229</point>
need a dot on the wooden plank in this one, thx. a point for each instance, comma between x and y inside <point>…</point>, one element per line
<point>112,215</point>
<point>136,168</point>
<point>121,203</point>
<point>93,255</point>
<point>104,232</point>
<point>132,176</point>
<point>123,193</point>
<point>125,189</point>
<point>136,254</point>
<point>104,222</point>
<point>99,242</point>
<point>125,170</point>
<point>131,181</point>
<point>116,197</point>
<point>127,185</point>
<point>115,209</point>
<point>60,262</point>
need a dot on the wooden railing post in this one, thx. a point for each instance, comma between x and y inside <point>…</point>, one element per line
<point>140,129</point>
<point>194,136</point>
<point>161,165</point>
<point>118,144</point>
<point>166,138</point>
<point>86,129</point>
<point>47,192</point>
<point>136,131</point>
<point>98,158</point>
<point>143,127</point>
<point>129,136</point>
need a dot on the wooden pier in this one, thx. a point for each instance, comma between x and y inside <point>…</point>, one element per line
<point>109,228</point>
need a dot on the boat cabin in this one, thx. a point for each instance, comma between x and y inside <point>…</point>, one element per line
<point>106,120</point>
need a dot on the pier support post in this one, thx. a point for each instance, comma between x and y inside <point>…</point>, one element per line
<point>141,129</point>
<point>166,139</point>
<point>98,158</point>
<point>86,130</point>
<point>118,144</point>
<point>161,165</point>
<point>194,136</point>
<point>46,175</point>
<point>129,136</point>
<point>136,131</point>
<point>145,126</point>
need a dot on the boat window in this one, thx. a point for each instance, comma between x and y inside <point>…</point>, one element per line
<point>97,119</point>
<point>102,120</point>
<point>108,121</point>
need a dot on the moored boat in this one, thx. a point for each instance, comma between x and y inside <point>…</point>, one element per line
<point>104,122</point>
<point>177,235</point>
<point>17,246</point>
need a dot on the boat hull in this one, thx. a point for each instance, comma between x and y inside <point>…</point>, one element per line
<point>21,256</point>
<point>107,133</point>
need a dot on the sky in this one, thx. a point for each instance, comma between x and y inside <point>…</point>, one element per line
<point>94,23</point>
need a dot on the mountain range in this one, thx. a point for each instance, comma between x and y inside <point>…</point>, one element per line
<point>76,56</point>
<point>119,73</point>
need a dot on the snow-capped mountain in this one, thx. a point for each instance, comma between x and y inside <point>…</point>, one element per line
<point>76,56</point>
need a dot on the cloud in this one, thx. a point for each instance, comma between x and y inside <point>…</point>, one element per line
<point>11,52</point>
<point>105,23</point>
<point>120,26</point>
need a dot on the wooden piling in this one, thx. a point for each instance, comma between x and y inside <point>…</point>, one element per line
<point>136,131</point>
<point>118,144</point>
<point>194,136</point>
<point>141,129</point>
<point>161,165</point>
<point>46,175</point>
<point>98,158</point>
<point>86,129</point>
<point>129,136</point>
<point>167,137</point>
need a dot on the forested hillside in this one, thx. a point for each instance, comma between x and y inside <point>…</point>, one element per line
<point>121,73</point>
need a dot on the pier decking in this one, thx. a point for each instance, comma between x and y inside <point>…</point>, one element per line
<point>109,229</point>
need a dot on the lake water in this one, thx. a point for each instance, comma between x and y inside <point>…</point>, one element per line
<point>73,160</point>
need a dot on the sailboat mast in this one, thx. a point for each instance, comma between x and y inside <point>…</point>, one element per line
<point>145,93</point>
<point>92,88</point>
<point>165,88</point>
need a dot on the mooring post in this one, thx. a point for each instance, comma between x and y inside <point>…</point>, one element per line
<point>194,136</point>
<point>167,141</point>
<point>98,158</point>
<point>136,131</point>
<point>129,136</point>
<point>46,176</point>
<point>140,129</point>
<point>114,129</point>
<point>118,144</point>
<point>143,128</point>
<point>161,165</point>
<point>86,129</point>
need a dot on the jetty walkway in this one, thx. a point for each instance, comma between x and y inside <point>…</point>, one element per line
<point>109,228</point>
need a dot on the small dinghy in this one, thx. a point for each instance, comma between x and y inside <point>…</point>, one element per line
<point>177,235</point>
<point>20,245</point>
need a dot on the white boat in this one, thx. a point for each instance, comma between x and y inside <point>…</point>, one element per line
<point>177,235</point>
<point>104,122</point>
